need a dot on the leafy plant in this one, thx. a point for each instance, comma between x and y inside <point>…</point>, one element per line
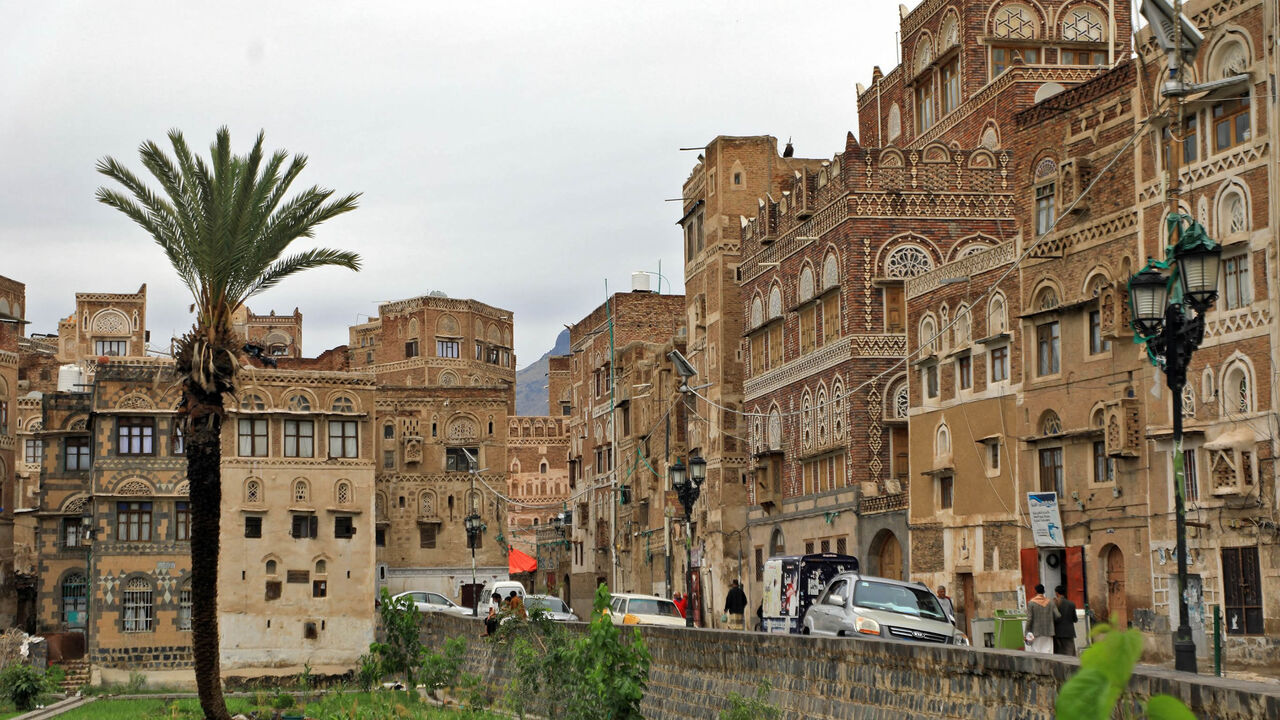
<point>401,653</point>
<point>440,670</point>
<point>137,681</point>
<point>54,677</point>
<point>21,685</point>
<point>282,700</point>
<point>614,673</point>
<point>751,708</point>
<point>306,679</point>
<point>369,672</point>
<point>1105,667</point>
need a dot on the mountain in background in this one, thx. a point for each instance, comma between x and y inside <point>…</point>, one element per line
<point>531,382</point>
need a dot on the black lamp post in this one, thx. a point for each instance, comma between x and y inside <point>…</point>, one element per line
<point>474,526</point>
<point>1173,329</point>
<point>687,483</point>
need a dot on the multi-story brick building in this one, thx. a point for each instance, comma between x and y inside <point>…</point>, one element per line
<point>280,336</point>
<point>296,569</point>
<point>12,438</point>
<point>105,324</point>
<point>622,407</point>
<point>445,373</point>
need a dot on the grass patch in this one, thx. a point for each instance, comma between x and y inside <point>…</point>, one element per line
<point>148,708</point>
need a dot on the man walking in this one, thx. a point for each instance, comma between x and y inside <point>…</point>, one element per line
<point>735,603</point>
<point>1064,623</point>
<point>1040,623</point>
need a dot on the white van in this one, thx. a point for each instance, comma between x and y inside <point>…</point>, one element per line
<point>504,588</point>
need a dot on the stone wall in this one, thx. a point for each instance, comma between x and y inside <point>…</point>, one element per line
<point>828,678</point>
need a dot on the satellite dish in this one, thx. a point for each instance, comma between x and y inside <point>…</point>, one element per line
<point>1048,90</point>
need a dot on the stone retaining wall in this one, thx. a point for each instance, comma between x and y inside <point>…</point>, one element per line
<point>694,671</point>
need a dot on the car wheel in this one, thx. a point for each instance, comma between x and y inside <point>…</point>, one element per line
<point>805,630</point>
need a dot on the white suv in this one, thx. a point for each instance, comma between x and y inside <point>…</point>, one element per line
<point>854,605</point>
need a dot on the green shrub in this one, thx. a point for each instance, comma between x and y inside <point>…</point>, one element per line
<point>440,670</point>
<point>369,672</point>
<point>751,708</point>
<point>401,653</point>
<point>21,685</point>
<point>1105,667</point>
<point>282,700</point>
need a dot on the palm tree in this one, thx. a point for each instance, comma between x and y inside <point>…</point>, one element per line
<point>224,226</point>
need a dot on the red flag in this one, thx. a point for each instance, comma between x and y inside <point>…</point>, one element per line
<point>518,562</point>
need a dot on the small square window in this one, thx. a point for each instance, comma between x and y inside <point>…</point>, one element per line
<point>344,526</point>
<point>252,526</point>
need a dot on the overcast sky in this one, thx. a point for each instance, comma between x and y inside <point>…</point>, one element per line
<point>518,153</point>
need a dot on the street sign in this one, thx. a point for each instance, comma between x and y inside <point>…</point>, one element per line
<point>1046,521</point>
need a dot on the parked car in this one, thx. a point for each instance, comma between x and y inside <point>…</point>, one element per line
<point>433,602</point>
<point>552,605</point>
<point>628,609</point>
<point>855,605</point>
<point>504,588</point>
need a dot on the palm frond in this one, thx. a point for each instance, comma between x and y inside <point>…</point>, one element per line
<point>306,260</point>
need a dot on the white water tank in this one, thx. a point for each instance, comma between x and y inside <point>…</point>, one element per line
<point>70,378</point>
<point>639,281</point>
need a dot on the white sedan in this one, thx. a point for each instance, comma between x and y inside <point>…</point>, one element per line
<point>628,609</point>
<point>433,602</point>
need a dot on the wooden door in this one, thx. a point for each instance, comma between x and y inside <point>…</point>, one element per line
<point>895,314</point>
<point>889,559</point>
<point>968,604</point>
<point>1117,605</point>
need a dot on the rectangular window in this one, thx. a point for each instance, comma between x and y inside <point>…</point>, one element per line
<point>135,436</point>
<point>759,563</point>
<point>117,348</point>
<point>775,344</point>
<point>1189,141</point>
<point>389,459</point>
<point>427,536</point>
<point>77,453</point>
<point>253,437</point>
<point>1242,590</point>
<point>447,348</point>
<point>368,357</point>
<point>924,105</point>
<point>1045,208</point>
<point>138,608</point>
<point>946,490</point>
<point>895,309</point>
<point>133,521</point>
<point>455,459</point>
<point>177,440</point>
<point>1238,291</point>
<point>380,537</point>
<point>33,452</point>
<point>411,349</point>
<point>343,439</point>
<point>1097,343</point>
<point>253,526</point>
<point>842,545</point>
<point>344,526</point>
<point>809,329</point>
<point>72,529</point>
<point>319,588</point>
<point>4,416</point>
<point>1101,466</point>
<point>931,381</point>
<point>1002,58</point>
<point>184,608</point>
<point>182,520</point>
<point>1231,123</point>
<point>964,372</point>
<point>1048,349</point>
<point>1051,470</point>
<point>1190,476</point>
<point>273,590</point>
<point>831,318</point>
<point>299,438</point>
<point>999,360</point>
<point>950,86</point>
<point>304,525</point>
<point>757,353</point>
<point>1082,57</point>
<point>993,454</point>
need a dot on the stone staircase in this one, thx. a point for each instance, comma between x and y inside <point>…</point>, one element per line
<point>77,674</point>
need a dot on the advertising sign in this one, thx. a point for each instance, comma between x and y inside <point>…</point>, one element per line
<point>1046,521</point>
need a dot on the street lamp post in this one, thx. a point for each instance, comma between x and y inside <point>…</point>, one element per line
<point>687,483</point>
<point>1172,326</point>
<point>474,526</point>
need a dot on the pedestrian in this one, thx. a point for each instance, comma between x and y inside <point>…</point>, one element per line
<point>735,603</point>
<point>516,605</point>
<point>946,603</point>
<point>1064,623</point>
<point>491,620</point>
<point>1040,623</point>
<point>681,602</point>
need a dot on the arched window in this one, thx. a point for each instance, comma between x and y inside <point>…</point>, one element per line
<point>252,402</point>
<point>271,567</point>
<point>997,317</point>
<point>775,302</point>
<point>907,261</point>
<point>901,401</point>
<point>1188,401</point>
<point>542,467</point>
<point>1050,423</point>
<point>427,504</point>
<point>895,122</point>
<point>343,492</point>
<point>1083,24</point>
<point>962,328</point>
<point>777,543</point>
<point>806,287</point>
<point>253,492</point>
<point>138,606</point>
<point>301,493</point>
<point>75,599</point>
<point>806,420</point>
<point>775,429</point>
<point>757,312</point>
<point>950,34</point>
<point>343,403</point>
<point>1046,298</point>
<point>837,409</point>
<point>1237,391</point>
<point>322,568</point>
<point>924,53</point>
<point>928,335</point>
<point>184,605</point>
<point>1015,21</point>
<point>1233,214</point>
<point>942,441</point>
<point>821,412</point>
<point>830,271</point>
<point>389,431</point>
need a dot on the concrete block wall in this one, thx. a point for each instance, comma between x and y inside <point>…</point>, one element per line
<point>694,671</point>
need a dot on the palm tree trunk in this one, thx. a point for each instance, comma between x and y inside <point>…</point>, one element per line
<point>204,474</point>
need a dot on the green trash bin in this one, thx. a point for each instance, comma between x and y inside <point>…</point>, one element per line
<point>1009,632</point>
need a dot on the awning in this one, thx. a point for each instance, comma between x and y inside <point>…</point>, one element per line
<point>518,562</point>
<point>1241,438</point>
